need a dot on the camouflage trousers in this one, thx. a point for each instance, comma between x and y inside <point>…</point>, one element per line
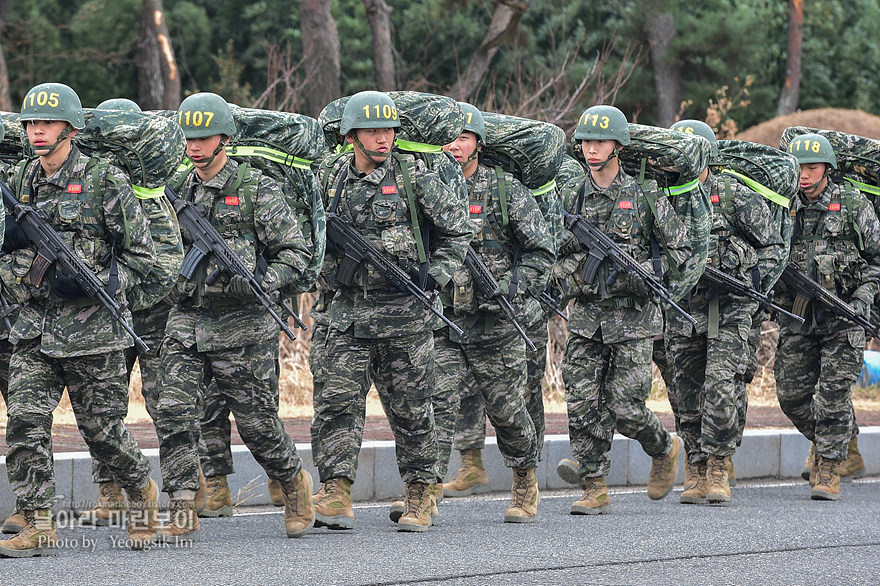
<point>814,377</point>
<point>496,367</point>
<point>708,381</point>
<point>98,391</point>
<point>5,354</point>
<point>246,378</point>
<point>606,386</point>
<point>343,369</point>
<point>470,427</point>
<point>215,438</point>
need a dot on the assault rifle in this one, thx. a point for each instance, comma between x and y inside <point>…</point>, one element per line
<point>599,247</point>
<point>552,304</point>
<point>737,287</point>
<point>207,240</point>
<point>486,283</point>
<point>358,249</point>
<point>52,249</point>
<point>806,290</point>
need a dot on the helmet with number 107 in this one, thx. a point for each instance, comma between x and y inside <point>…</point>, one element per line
<point>205,114</point>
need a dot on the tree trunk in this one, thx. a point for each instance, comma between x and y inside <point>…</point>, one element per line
<point>379,17</point>
<point>321,54</point>
<point>158,77</point>
<point>5,97</point>
<point>667,75</point>
<point>788,99</point>
<point>505,19</point>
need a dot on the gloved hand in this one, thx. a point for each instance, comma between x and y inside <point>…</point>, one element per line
<point>861,302</point>
<point>65,287</point>
<point>239,288</point>
<point>271,281</point>
<point>503,288</point>
<point>569,244</point>
<point>13,235</point>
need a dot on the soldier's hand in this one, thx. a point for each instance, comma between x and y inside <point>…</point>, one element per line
<point>239,288</point>
<point>271,281</point>
<point>861,307</point>
<point>65,287</point>
<point>14,237</point>
<point>503,289</point>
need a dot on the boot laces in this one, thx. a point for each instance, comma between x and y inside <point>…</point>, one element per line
<point>520,489</point>
<point>415,498</point>
<point>825,475</point>
<point>717,468</point>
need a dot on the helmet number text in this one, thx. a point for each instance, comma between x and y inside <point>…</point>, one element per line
<point>195,118</point>
<point>41,98</point>
<point>602,122</point>
<point>809,145</point>
<point>385,112</point>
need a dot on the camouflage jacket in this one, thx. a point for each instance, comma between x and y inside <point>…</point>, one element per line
<point>515,232</point>
<point>836,241</point>
<point>744,238</point>
<point>623,310</point>
<point>251,217</point>
<point>376,204</point>
<point>94,224</point>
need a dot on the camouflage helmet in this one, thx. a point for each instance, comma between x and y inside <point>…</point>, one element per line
<point>122,104</point>
<point>369,110</point>
<point>53,101</point>
<point>473,121</point>
<point>603,123</point>
<point>205,114</point>
<point>812,148</point>
<point>699,128</point>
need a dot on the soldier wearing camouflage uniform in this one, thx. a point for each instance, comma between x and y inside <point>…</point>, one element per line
<point>508,223</point>
<point>217,330</point>
<point>607,360</point>
<point>61,337</point>
<point>708,362</point>
<point>376,331</point>
<point>149,324</point>
<point>836,240</point>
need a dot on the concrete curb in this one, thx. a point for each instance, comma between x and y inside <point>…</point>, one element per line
<point>764,454</point>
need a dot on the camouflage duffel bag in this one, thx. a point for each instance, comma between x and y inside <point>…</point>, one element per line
<point>673,159</point>
<point>531,150</point>
<point>769,167</point>
<point>15,146</point>
<point>858,157</point>
<point>426,119</point>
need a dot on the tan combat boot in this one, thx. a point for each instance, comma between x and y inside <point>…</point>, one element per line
<point>663,471</point>
<point>471,478</point>
<point>14,523</point>
<point>696,494</point>
<point>202,493</point>
<point>299,512</point>
<point>143,518</point>
<point>218,502</point>
<point>716,475</point>
<point>276,496</point>
<point>183,522</point>
<point>334,510</point>
<point>854,466</point>
<point>809,470</point>
<point>523,497</point>
<point>110,508</point>
<point>418,503</point>
<point>318,495</point>
<point>595,498</point>
<point>827,487</point>
<point>731,474</point>
<point>397,507</point>
<point>691,473</point>
<point>36,539</point>
<point>568,471</point>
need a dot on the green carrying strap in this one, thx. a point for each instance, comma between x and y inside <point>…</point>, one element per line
<point>680,189</point>
<point>270,154</point>
<point>864,187</point>
<point>403,164</point>
<point>850,210</point>
<point>417,147</point>
<point>148,192</point>
<point>330,164</point>
<point>651,198</point>
<point>544,189</point>
<point>503,187</point>
<point>762,190</point>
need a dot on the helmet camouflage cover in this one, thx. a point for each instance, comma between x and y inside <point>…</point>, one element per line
<point>603,123</point>
<point>205,114</point>
<point>369,110</point>
<point>812,148</point>
<point>53,101</point>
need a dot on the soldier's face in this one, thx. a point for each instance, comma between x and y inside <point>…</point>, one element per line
<point>812,179</point>
<point>377,140</point>
<point>463,147</point>
<point>200,151</point>
<point>597,152</point>
<point>42,134</point>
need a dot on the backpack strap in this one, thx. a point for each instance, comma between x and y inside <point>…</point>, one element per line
<point>849,202</point>
<point>421,240</point>
<point>503,186</point>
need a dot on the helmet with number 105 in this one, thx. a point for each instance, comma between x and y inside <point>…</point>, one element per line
<point>205,114</point>
<point>603,123</point>
<point>53,101</point>
<point>812,148</point>
<point>473,120</point>
<point>369,110</point>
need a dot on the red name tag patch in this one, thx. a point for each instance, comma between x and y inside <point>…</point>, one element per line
<point>231,200</point>
<point>74,188</point>
<point>476,209</point>
<point>389,189</point>
<point>714,198</point>
<point>834,207</point>
<point>625,205</point>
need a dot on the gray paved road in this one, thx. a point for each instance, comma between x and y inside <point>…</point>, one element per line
<point>771,534</point>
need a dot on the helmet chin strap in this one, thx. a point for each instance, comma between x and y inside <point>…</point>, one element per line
<point>216,152</point>
<point>65,134</point>
<point>812,189</point>
<point>370,154</point>
<point>603,164</point>
<point>472,157</point>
